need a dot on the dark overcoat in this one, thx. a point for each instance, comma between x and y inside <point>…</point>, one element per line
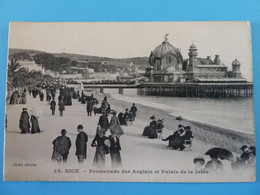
<point>35,125</point>
<point>81,144</point>
<point>24,122</point>
<point>103,121</point>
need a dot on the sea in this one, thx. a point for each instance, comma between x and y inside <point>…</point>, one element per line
<point>231,113</point>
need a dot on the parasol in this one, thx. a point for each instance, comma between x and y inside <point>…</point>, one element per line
<point>220,153</point>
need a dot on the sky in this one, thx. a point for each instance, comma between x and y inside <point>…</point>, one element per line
<point>230,40</point>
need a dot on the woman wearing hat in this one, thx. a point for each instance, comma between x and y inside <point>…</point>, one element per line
<point>24,122</point>
<point>114,149</point>
<point>101,143</point>
<point>114,126</point>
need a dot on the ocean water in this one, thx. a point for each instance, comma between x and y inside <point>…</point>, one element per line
<point>236,114</point>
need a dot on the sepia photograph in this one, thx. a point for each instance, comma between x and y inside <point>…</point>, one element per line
<point>130,102</point>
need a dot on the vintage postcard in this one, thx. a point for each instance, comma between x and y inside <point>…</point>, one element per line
<point>130,102</point>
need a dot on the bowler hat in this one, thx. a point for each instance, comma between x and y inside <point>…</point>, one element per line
<point>80,127</point>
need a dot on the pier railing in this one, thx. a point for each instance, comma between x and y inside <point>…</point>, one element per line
<point>215,90</point>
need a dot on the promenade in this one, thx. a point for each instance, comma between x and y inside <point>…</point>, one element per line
<point>138,152</point>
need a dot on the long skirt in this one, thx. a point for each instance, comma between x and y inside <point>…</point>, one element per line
<point>99,158</point>
<point>153,133</point>
<point>177,143</point>
<point>35,126</point>
<point>24,126</point>
<point>116,129</point>
<point>146,131</point>
<point>115,159</point>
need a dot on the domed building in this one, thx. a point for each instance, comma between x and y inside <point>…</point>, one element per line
<point>166,63</point>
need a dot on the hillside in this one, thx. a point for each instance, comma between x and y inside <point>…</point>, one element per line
<point>141,61</point>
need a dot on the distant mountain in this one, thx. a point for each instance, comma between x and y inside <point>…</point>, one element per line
<point>141,61</point>
<point>17,51</point>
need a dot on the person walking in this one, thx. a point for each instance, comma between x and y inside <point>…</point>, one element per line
<point>103,121</point>
<point>114,150</point>
<point>114,126</point>
<point>52,107</point>
<point>35,125</point>
<point>81,144</point>
<point>102,148</point>
<point>90,105</point>
<point>24,124</point>
<point>61,107</point>
<point>41,96</point>
<point>133,111</point>
<point>61,146</point>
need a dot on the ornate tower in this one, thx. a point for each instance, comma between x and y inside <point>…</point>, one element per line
<point>192,70</point>
<point>236,69</point>
<point>217,60</point>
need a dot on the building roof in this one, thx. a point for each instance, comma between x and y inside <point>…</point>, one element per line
<point>221,79</point>
<point>235,63</point>
<point>211,66</point>
<point>165,49</point>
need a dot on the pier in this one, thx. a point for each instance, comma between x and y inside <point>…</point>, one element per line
<point>212,90</point>
<point>209,90</point>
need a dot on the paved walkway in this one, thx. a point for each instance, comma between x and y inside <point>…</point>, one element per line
<point>138,152</point>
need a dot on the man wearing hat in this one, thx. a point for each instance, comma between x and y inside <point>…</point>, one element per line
<point>81,144</point>
<point>103,121</point>
<point>61,147</point>
<point>133,110</point>
<point>176,135</point>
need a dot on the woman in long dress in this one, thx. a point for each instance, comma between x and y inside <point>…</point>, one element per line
<point>114,126</point>
<point>100,142</point>
<point>114,149</point>
<point>35,125</point>
<point>24,122</point>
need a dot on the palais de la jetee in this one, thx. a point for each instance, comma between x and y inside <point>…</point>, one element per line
<point>171,75</point>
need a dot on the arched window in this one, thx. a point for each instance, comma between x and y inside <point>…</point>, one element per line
<point>158,64</point>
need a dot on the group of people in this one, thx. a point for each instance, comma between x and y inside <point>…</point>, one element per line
<point>128,116</point>
<point>104,145</point>
<point>247,159</point>
<point>154,129</point>
<point>27,124</point>
<point>180,138</point>
<point>18,98</point>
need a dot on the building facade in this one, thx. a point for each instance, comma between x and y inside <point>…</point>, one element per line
<point>166,65</point>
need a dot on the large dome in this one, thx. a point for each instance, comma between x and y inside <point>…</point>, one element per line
<point>165,49</point>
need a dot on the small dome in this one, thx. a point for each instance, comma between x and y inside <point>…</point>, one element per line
<point>235,63</point>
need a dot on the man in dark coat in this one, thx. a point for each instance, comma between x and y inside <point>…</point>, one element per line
<point>175,136</point>
<point>52,107</point>
<point>61,146</point>
<point>81,144</point>
<point>61,107</point>
<point>90,104</point>
<point>133,110</point>
<point>41,96</point>
<point>24,122</point>
<point>103,121</point>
